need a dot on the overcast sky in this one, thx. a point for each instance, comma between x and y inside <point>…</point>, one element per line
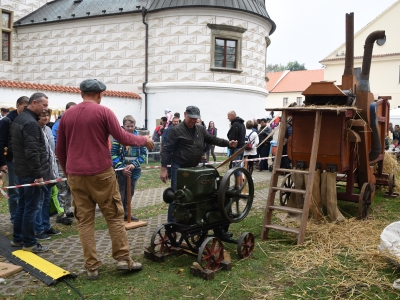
<point>309,30</point>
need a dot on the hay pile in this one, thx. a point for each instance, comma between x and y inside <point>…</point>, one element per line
<point>392,166</point>
<point>349,249</point>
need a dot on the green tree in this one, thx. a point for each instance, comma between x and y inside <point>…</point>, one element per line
<point>275,68</point>
<point>292,66</point>
<point>295,66</point>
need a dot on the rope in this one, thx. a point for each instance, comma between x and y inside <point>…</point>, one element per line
<point>120,169</point>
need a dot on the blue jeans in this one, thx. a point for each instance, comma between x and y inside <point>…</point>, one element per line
<point>28,207</point>
<point>43,217</point>
<point>236,164</point>
<point>174,184</point>
<point>12,193</point>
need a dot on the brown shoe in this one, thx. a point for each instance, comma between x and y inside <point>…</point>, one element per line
<point>93,275</point>
<point>124,265</point>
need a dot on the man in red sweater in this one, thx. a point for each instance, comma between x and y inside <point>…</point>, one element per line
<point>83,153</point>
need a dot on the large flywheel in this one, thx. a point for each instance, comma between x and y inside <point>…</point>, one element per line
<point>235,194</point>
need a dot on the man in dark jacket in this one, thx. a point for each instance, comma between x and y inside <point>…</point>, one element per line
<point>265,147</point>
<point>237,132</point>
<point>6,153</point>
<point>184,147</point>
<point>30,165</point>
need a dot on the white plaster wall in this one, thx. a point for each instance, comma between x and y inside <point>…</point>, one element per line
<point>120,106</point>
<point>214,103</point>
<point>180,42</point>
<point>20,8</point>
<point>110,49</point>
<point>179,72</point>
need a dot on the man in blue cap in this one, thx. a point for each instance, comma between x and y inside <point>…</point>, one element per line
<point>83,153</point>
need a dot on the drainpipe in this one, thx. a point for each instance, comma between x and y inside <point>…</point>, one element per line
<point>146,66</point>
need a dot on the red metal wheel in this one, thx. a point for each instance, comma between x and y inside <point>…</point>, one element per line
<point>160,242</point>
<point>245,245</point>
<point>211,253</point>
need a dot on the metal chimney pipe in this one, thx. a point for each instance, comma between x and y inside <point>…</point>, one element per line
<point>368,47</point>
<point>366,65</point>
<point>349,62</point>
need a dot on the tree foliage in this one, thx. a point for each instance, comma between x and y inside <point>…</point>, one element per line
<point>291,65</point>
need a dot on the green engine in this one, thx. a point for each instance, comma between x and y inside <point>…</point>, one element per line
<point>203,196</point>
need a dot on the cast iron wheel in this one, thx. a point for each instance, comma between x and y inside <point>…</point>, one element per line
<point>365,201</point>
<point>211,253</point>
<point>245,245</point>
<point>160,241</point>
<point>391,183</point>
<point>235,198</point>
<point>288,183</point>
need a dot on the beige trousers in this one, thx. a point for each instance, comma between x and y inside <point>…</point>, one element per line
<point>103,190</point>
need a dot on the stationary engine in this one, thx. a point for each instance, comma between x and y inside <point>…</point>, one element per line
<point>204,197</point>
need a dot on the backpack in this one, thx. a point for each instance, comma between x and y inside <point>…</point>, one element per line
<point>248,142</point>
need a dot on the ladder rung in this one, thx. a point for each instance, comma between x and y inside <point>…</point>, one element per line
<point>288,190</point>
<point>283,228</point>
<point>292,171</point>
<point>286,209</point>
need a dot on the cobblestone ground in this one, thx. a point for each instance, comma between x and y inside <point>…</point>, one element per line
<point>67,253</point>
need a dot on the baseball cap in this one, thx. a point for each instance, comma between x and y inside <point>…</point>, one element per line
<point>193,112</point>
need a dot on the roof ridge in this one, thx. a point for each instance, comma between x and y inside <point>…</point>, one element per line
<point>361,56</point>
<point>61,88</point>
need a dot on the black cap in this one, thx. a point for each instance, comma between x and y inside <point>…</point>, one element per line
<point>193,112</point>
<point>92,85</point>
<point>263,119</point>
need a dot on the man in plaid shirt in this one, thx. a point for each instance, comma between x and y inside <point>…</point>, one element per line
<point>129,158</point>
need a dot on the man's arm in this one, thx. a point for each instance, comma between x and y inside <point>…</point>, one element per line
<point>124,137</point>
<point>211,139</point>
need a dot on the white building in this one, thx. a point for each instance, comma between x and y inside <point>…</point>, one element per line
<point>206,53</point>
<point>385,66</point>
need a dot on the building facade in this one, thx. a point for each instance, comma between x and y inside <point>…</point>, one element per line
<point>182,52</point>
<point>385,65</point>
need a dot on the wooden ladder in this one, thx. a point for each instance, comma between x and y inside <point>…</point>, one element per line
<point>270,207</point>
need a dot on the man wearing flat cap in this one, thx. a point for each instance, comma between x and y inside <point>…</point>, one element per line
<point>184,147</point>
<point>83,153</point>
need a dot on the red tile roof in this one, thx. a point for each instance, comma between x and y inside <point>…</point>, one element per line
<point>295,81</point>
<point>355,57</point>
<point>274,79</point>
<point>61,88</point>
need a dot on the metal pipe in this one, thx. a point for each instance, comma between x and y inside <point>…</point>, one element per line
<point>349,63</point>
<point>146,65</point>
<point>366,64</point>
<point>368,47</point>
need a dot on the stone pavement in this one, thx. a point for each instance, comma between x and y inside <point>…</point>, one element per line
<point>67,252</point>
